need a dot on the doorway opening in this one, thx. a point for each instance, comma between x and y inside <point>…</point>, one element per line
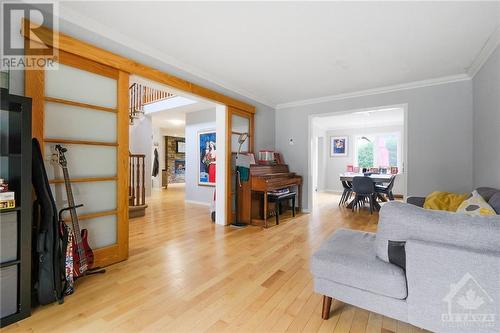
<point>177,136</point>
<point>357,141</point>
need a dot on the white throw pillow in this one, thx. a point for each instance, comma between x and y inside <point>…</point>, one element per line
<point>475,205</point>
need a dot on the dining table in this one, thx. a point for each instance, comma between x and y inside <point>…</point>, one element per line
<point>377,178</point>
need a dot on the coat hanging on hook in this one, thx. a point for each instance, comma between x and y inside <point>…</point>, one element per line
<point>156,164</point>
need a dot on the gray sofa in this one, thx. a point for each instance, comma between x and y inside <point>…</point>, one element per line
<point>436,270</point>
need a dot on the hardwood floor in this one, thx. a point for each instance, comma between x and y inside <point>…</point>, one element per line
<point>187,274</point>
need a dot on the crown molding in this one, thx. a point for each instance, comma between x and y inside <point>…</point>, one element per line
<point>105,31</point>
<point>376,91</point>
<point>485,53</point>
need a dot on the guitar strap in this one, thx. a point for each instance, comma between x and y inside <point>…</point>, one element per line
<point>69,286</point>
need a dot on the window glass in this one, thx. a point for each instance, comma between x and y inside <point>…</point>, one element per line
<point>364,149</point>
<point>380,150</point>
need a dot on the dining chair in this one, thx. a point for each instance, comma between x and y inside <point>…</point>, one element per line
<point>387,190</point>
<point>364,190</point>
<point>347,193</point>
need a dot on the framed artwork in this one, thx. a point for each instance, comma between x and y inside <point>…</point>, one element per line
<point>207,143</point>
<point>338,146</point>
<point>180,146</point>
<point>180,167</point>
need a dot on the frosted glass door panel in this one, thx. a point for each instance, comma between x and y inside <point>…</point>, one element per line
<point>70,122</point>
<point>95,196</point>
<point>102,231</point>
<point>76,85</point>
<point>83,161</point>
<point>239,125</point>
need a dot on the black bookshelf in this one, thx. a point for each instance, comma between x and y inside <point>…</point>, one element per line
<point>15,168</point>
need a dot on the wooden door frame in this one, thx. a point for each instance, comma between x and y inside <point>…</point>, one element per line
<point>35,88</point>
<point>34,83</point>
<point>230,111</point>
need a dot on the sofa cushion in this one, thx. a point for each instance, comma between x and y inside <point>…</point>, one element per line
<point>495,202</point>
<point>475,205</point>
<point>349,258</point>
<point>400,222</point>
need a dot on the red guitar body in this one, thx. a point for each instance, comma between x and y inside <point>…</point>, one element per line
<point>78,270</point>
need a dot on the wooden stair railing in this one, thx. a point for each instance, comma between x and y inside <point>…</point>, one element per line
<point>137,185</point>
<point>140,95</point>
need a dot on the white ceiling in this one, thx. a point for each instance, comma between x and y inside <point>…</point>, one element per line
<point>174,120</point>
<point>361,119</point>
<point>279,52</point>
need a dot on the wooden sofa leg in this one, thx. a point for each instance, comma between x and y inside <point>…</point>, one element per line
<point>327,303</point>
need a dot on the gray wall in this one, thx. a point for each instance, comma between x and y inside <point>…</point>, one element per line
<point>197,121</point>
<point>439,135</point>
<point>486,88</point>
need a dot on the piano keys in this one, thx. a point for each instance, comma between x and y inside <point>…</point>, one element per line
<point>252,195</point>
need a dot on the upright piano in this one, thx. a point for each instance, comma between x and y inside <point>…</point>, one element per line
<point>252,195</point>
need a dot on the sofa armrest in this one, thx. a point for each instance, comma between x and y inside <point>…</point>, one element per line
<point>417,201</point>
<point>446,282</point>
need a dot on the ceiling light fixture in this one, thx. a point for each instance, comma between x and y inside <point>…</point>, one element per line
<point>176,122</point>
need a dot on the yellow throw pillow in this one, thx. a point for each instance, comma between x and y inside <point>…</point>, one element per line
<point>475,205</point>
<point>444,201</point>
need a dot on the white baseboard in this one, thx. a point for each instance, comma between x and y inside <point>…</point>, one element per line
<point>197,203</point>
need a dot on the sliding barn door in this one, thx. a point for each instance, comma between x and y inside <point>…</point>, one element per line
<point>83,106</point>
<point>239,122</point>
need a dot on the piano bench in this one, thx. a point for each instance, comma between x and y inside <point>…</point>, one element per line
<point>278,198</point>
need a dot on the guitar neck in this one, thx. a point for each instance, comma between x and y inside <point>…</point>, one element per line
<point>72,211</point>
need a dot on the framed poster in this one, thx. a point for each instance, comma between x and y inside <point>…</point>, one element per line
<point>180,146</point>
<point>179,167</point>
<point>338,146</point>
<point>207,143</point>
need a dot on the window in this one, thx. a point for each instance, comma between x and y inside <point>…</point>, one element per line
<point>378,150</point>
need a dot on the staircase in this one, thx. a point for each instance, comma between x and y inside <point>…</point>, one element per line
<point>136,189</point>
<point>141,95</point>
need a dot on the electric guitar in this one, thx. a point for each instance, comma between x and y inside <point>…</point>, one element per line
<point>83,257</point>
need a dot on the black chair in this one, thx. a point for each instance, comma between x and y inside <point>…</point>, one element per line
<point>364,189</point>
<point>387,190</point>
<point>346,195</point>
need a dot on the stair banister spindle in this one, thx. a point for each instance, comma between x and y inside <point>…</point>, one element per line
<point>143,182</point>
<point>138,175</point>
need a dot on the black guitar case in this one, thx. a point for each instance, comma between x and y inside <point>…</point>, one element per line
<point>49,250</point>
